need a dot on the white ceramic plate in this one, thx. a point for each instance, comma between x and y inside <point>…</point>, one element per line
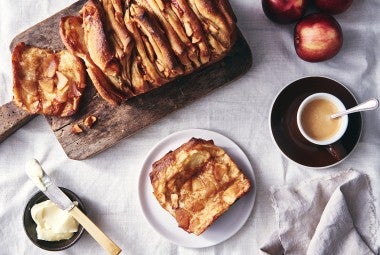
<point>165,224</point>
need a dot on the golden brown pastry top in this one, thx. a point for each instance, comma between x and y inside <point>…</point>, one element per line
<point>196,183</point>
<point>45,82</point>
<point>131,47</point>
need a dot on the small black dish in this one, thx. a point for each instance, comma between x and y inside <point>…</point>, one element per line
<point>283,124</point>
<point>30,225</point>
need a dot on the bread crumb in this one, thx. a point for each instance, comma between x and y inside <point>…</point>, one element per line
<point>76,129</point>
<point>89,121</point>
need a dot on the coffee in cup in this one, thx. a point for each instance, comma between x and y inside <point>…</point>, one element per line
<point>314,119</point>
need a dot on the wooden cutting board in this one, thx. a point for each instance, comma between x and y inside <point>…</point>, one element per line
<point>116,123</point>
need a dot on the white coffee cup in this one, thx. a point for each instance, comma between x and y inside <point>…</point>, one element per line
<point>314,111</point>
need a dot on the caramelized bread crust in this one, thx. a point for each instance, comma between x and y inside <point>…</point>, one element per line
<point>133,46</point>
<point>45,82</point>
<point>196,183</point>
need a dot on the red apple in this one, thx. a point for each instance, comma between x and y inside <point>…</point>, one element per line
<point>284,11</point>
<point>333,6</point>
<point>317,37</point>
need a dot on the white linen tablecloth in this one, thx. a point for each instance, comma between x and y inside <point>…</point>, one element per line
<point>107,183</point>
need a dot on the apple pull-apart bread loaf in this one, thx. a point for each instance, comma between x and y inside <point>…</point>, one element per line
<point>133,46</point>
<point>45,82</point>
<point>196,183</point>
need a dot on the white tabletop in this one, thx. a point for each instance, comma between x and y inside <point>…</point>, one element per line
<point>108,183</point>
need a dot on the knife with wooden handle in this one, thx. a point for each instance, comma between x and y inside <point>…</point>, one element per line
<point>11,119</point>
<point>56,195</point>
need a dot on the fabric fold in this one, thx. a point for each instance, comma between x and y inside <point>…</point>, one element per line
<point>333,214</point>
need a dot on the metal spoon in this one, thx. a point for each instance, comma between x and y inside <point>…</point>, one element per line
<point>371,104</point>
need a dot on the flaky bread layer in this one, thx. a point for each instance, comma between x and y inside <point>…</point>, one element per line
<point>140,45</point>
<point>45,82</point>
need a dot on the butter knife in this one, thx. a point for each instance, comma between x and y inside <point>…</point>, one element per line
<point>55,194</point>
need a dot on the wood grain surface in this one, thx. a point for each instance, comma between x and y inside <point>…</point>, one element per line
<point>11,119</point>
<point>116,123</point>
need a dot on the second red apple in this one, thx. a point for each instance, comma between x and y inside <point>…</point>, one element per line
<point>284,11</point>
<point>317,37</point>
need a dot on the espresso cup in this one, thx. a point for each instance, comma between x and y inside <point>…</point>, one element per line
<point>314,119</point>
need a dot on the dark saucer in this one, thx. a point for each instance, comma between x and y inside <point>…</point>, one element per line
<point>283,124</point>
<point>30,225</point>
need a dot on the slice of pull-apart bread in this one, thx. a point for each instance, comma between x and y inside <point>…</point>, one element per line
<point>131,47</point>
<point>86,37</point>
<point>45,82</point>
<point>196,183</point>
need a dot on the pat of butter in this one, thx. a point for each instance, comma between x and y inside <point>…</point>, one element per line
<point>34,170</point>
<point>53,223</point>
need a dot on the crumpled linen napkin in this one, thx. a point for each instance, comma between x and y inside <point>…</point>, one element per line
<point>334,214</point>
